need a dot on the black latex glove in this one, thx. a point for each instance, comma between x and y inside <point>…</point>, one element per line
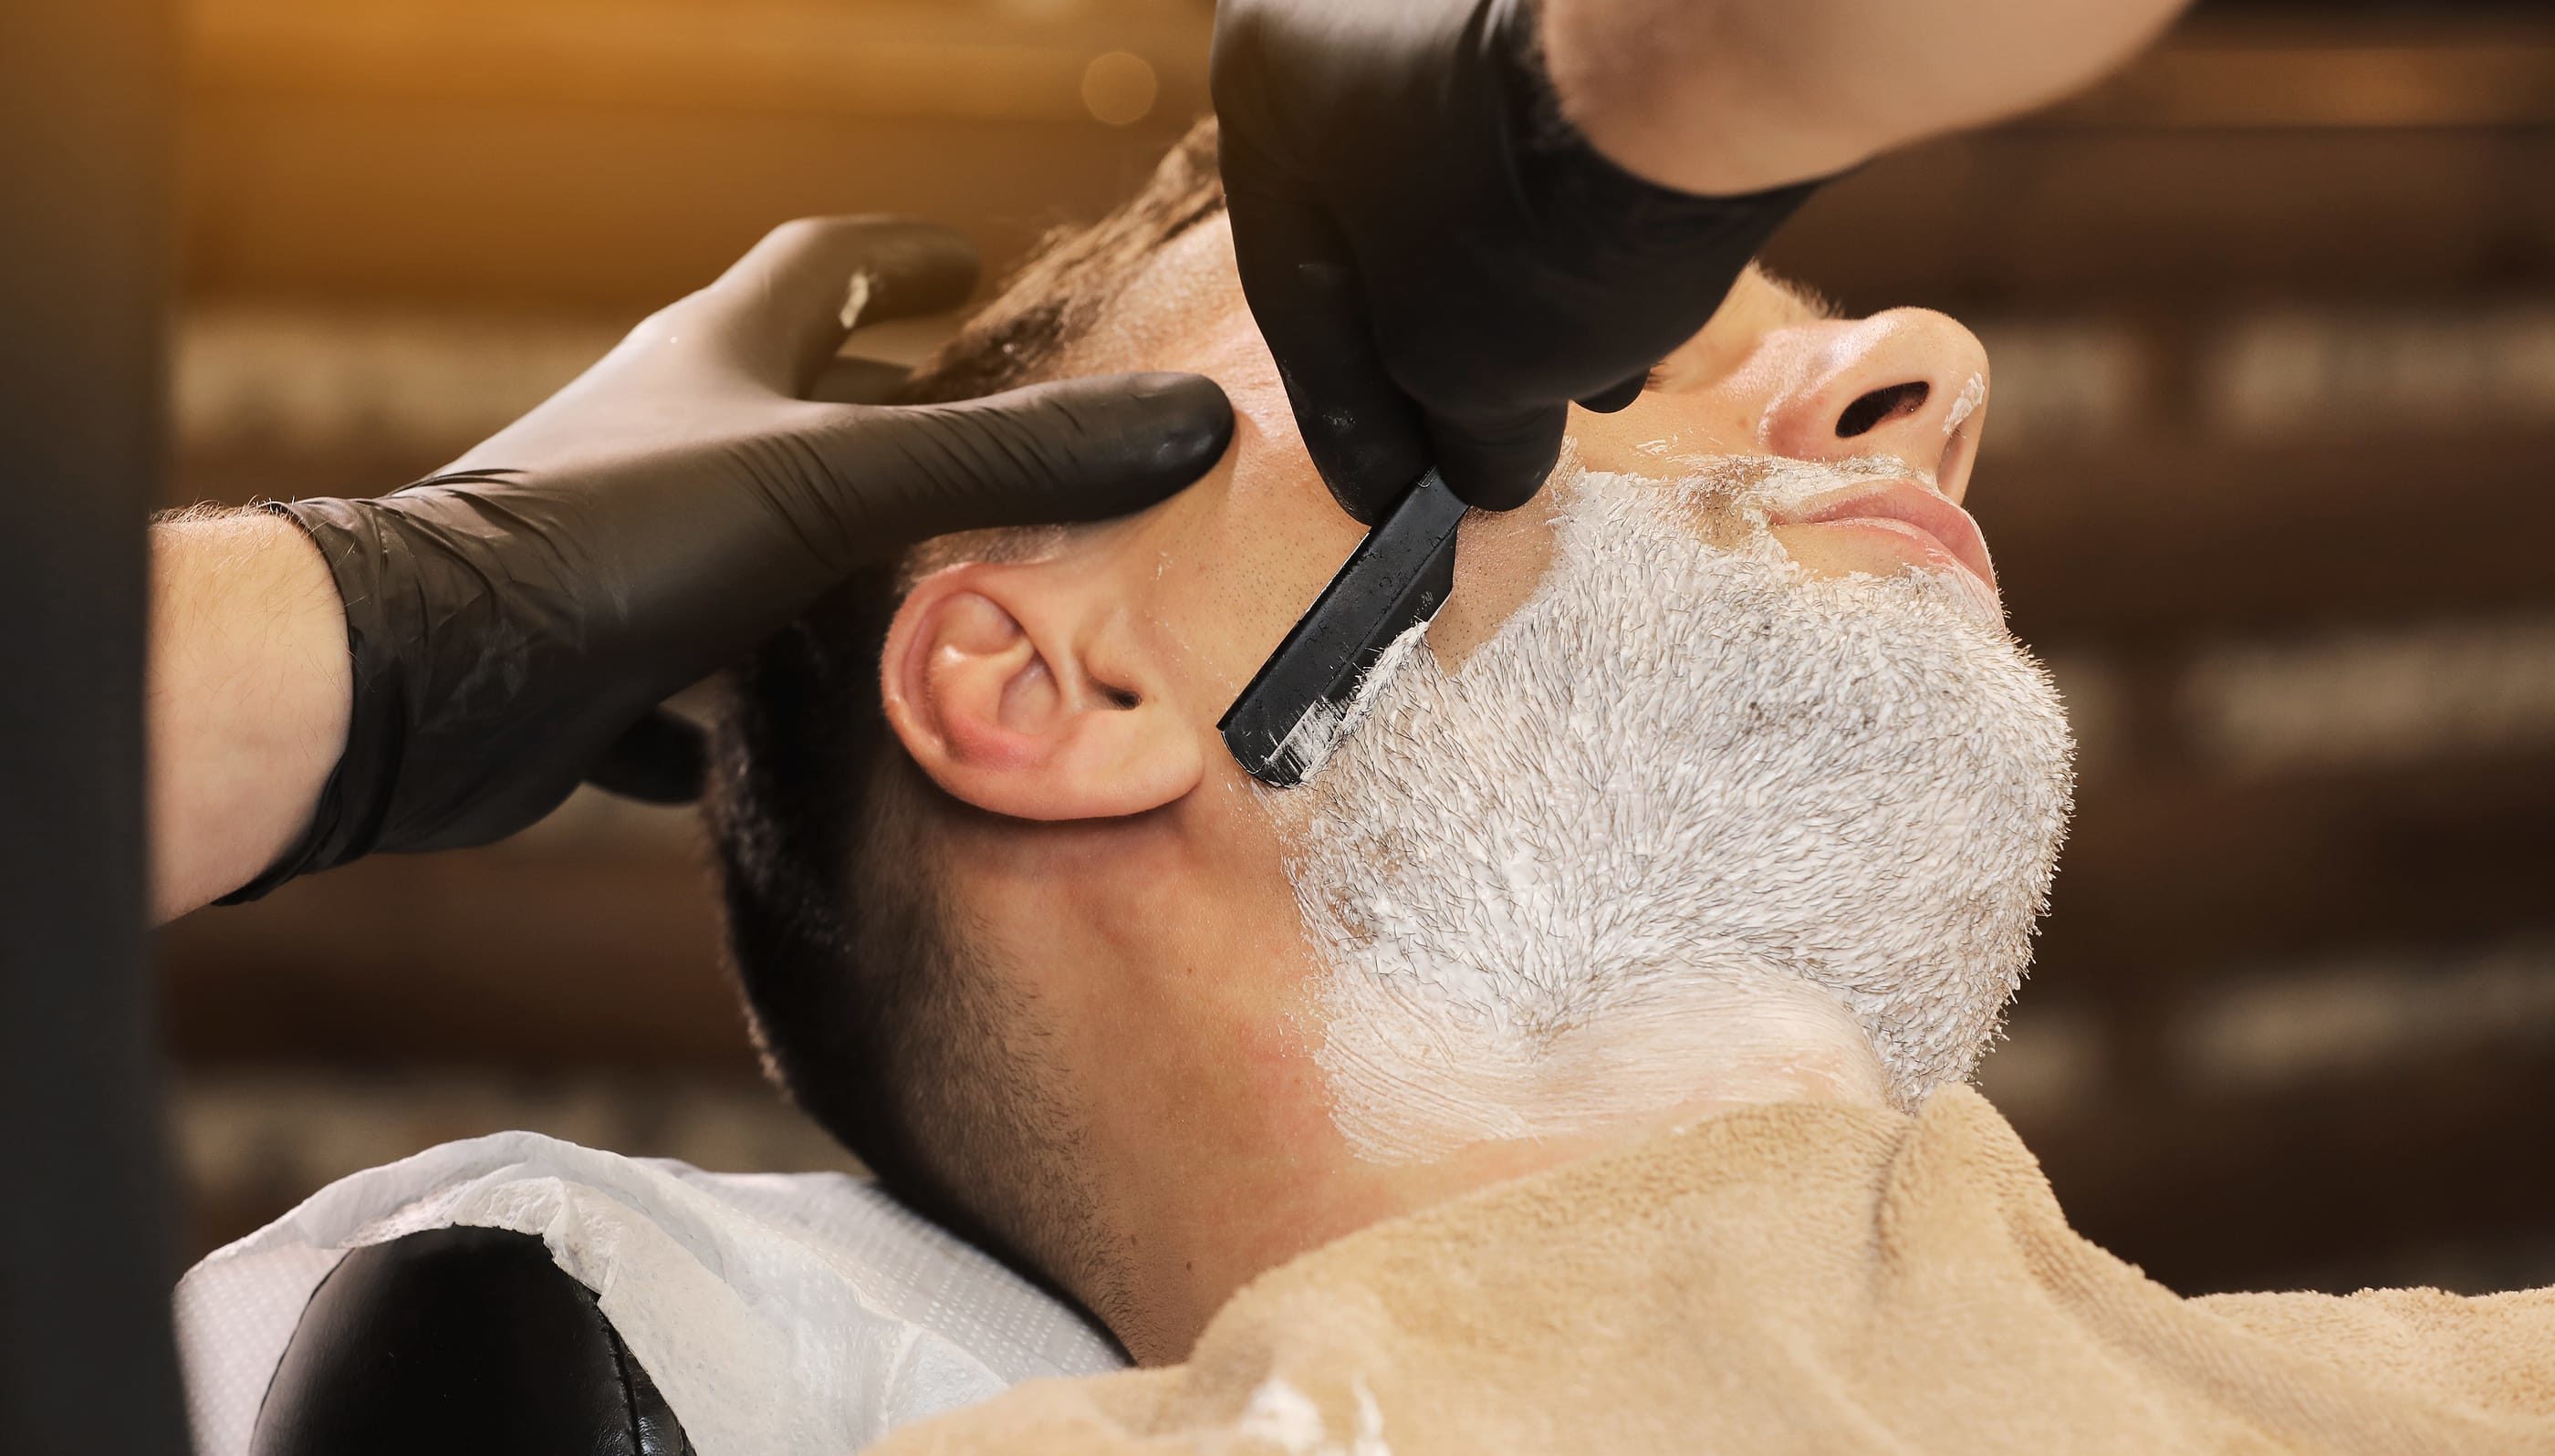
<point>516,619</point>
<point>1441,263</point>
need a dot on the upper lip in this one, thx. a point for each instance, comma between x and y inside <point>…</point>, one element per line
<point>1906,502</point>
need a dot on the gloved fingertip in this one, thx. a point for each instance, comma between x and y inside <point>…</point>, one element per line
<point>1504,493</point>
<point>1365,461</point>
<point>1365,501</point>
<point>1071,449</point>
<point>1504,470</point>
<point>1617,396</point>
<point>1138,436</point>
<point>1189,417</point>
<point>1176,387</point>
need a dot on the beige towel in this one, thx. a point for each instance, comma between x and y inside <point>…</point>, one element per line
<point>1800,1278</point>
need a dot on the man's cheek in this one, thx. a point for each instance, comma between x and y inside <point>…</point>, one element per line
<point>1500,561</point>
<point>1657,431</point>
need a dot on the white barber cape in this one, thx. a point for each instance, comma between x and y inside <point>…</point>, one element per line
<point>779,1313</point>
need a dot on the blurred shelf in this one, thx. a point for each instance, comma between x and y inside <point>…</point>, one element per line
<point>2165,539</point>
<point>2171,877</point>
<point>599,951</point>
<point>2327,70</point>
<point>575,152</point>
<point>616,155</point>
<point>915,61</point>
<point>2334,1185</point>
<point>2024,218</point>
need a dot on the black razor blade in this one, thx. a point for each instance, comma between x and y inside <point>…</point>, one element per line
<point>1285,723</point>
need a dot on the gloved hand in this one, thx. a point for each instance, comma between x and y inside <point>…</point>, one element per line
<point>516,618</point>
<point>1439,262</point>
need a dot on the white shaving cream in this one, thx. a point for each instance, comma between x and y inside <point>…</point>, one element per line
<point>1683,789</point>
<point>1965,404</point>
<point>1307,745</point>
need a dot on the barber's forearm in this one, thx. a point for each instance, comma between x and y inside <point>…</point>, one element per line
<point>1726,96</point>
<point>250,692</point>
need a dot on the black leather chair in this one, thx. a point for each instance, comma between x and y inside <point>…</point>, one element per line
<point>460,1340</point>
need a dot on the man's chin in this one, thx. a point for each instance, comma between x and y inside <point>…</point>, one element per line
<point>1555,885</point>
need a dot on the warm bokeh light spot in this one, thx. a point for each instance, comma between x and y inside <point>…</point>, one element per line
<point>1120,89</point>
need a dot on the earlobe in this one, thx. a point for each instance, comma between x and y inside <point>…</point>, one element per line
<point>1019,689</point>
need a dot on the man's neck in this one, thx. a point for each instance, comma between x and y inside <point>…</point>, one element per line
<point>1209,1224</point>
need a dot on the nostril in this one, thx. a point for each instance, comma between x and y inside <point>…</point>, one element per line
<point>1879,404</point>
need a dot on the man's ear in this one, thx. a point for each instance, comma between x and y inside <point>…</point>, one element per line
<point>1025,690</point>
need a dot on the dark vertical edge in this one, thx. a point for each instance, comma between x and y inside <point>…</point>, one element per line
<point>86,1358</point>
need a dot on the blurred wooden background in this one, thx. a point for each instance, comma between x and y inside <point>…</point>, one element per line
<point>2270,475</point>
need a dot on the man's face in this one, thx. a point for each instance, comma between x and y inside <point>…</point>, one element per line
<point>1724,726</point>
<point>1774,374</point>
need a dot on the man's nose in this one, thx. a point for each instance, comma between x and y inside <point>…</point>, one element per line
<point>1908,383</point>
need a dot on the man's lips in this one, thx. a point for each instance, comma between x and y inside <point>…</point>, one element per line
<point>1902,507</point>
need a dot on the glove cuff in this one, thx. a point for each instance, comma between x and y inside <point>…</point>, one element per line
<point>356,802</point>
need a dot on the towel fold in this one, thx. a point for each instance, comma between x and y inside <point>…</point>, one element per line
<point>1789,1278</point>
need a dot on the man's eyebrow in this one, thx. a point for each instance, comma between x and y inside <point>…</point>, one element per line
<point>1808,304</point>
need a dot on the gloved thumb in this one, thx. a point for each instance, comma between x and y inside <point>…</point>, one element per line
<point>1082,449</point>
<point>1499,463</point>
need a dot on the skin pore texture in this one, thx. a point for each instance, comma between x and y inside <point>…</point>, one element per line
<point>1717,782</point>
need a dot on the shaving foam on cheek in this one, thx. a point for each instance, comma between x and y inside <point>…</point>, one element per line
<point>1690,807</point>
<point>1310,743</point>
